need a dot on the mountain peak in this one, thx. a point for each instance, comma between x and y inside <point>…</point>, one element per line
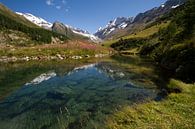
<point>117,23</point>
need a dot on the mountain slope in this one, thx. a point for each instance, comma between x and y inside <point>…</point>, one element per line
<point>63,29</point>
<point>8,13</point>
<point>36,20</point>
<point>13,26</point>
<point>172,47</point>
<point>60,27</point>
<point>86,34</point>
<point>139,22</point>
<point>73,32</point>
<point>116,24</point>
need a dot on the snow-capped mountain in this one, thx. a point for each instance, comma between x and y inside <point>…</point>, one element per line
<point>84,33</point>
<point>87,34</point>
<point>47,25</point>
<point>71,31</point>
<point>36,20</point>
<point>118,23</point>
<point>128,25</point>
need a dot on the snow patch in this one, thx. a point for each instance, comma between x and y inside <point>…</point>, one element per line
<point>84,33</point>
<point>92,37</point>
<point>123,25</point>
<point>111,30</point>
<point>173,7</point>
<point>100,29</point>
<point>36,20</point>
<point>162,6</point>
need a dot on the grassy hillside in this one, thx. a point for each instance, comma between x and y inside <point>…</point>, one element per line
<point>16,38</point>
<point>172,44</point>
<point>142,34</point>
<point>175,49</point>
<point>12,21</point>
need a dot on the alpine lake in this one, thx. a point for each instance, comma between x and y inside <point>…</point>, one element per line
<point>74,94</point>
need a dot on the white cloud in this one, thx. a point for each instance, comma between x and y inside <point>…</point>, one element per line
<point>50,2</point>
<point>58,7</point>
<point>64,1</point>
<point>67,10</point>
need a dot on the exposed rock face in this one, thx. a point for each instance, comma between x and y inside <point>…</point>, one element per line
<point>62,29</point>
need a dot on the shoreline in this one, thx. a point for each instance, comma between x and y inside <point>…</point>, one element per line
<point>6,59</point>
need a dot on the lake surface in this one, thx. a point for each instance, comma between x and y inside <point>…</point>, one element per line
<point>73,94</point>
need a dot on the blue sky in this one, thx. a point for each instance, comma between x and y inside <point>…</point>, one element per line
<point>84,14</point>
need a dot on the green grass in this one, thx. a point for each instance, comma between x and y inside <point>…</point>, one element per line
<point>174,112</point>
<point>66,49</point>
<point>142,34</point>
<point>46,52</point>
<point>149,31</point>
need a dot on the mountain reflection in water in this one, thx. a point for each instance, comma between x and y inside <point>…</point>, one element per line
<point>79,98</point>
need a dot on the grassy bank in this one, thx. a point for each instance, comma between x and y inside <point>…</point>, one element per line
<point>176,111</point>
<point>72,48</point>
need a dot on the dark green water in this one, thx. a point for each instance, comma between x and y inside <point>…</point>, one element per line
<point>72,95</point>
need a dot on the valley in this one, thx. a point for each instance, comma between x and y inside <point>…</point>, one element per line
<point>136,72</point>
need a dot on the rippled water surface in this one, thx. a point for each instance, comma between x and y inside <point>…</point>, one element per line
<point>72,95</point>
